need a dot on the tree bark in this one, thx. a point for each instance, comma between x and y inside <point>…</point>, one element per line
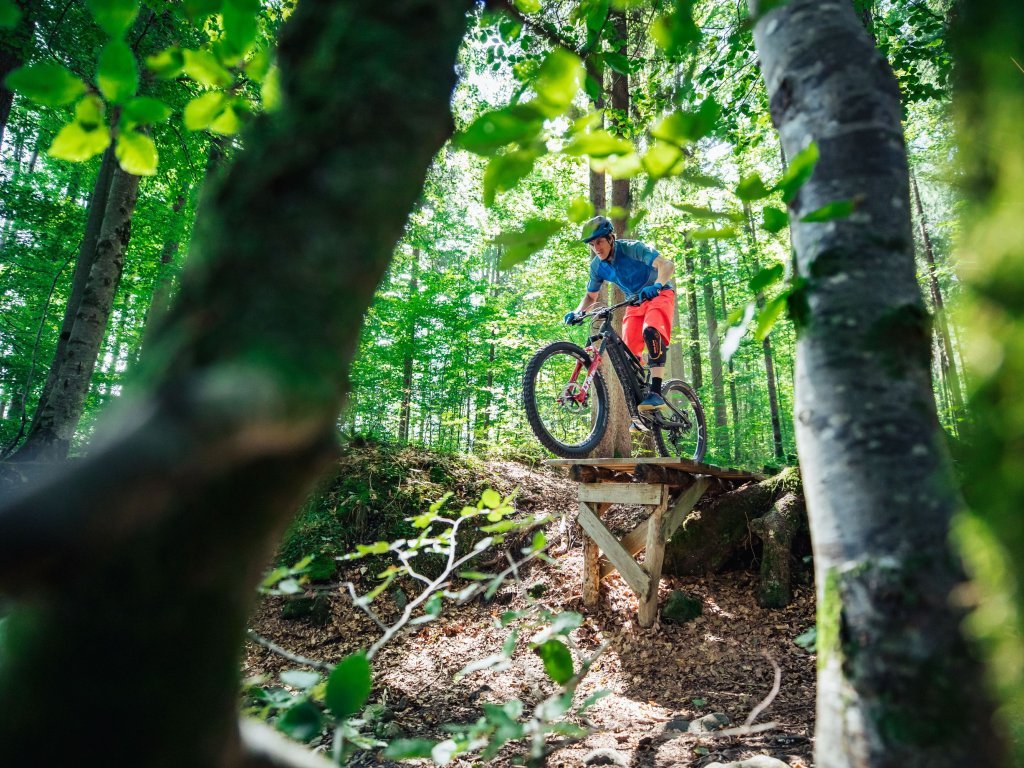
<point>405,410</point>
<point>777,529</point>
<point>87,250</point>
<point>617,441</point>
<point>947,360</point>
<point>13,47</point>
<point>714,354</point>
<point>879,485</point>
<point>54,425</point>
<point>149,549</point>
<point>694,321</point>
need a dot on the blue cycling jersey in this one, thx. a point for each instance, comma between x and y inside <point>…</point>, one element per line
<point>629,267</point>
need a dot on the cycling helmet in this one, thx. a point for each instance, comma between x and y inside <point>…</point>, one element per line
<point>599,226</point>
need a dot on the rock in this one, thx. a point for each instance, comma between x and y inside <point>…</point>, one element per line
<point>709,723</point>
<point>605,757</point>
<point>681,608</point>
<point>316,610</point>
<point>759,761</point>
<point>678,724</point>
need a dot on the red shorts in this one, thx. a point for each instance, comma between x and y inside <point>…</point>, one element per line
<point>656,313</point>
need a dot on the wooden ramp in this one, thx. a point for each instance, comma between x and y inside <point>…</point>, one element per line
<point>669,487</point>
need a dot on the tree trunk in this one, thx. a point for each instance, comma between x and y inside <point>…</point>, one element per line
<point>879,485</point>
<point>691,303</point>
<point>714,353</point>
<point>56,420</point>
<point>152,545</point>
<point>87,251</point>
<point>733,400</point>
<point>408,359</point>
<point>617,441</point>
<point>777,529</point>
<point>13,48</point>
<point>947,360</point>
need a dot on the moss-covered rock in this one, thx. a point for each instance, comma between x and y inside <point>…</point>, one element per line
<point>681,608</point>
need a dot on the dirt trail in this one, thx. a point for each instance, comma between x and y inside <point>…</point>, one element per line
<point>719,663</point>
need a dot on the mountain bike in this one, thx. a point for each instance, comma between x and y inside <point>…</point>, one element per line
<point>566,397</point>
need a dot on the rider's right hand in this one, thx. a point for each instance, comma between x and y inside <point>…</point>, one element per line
<point>571,318</point>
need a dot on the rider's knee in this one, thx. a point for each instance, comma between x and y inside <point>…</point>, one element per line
<point>657,352</point>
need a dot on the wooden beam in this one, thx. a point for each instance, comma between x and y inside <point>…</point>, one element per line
<point>584,474</point>
<point>631,571</point>
<point>621,493</point>
<point>654,473</point>
<point>684,505</point>
<point>653,559</point>
<point>591,566</point>
<point>684,465</point>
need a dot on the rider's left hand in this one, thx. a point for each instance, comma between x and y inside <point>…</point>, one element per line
<point>650,291</point>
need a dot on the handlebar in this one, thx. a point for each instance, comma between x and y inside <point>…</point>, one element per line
<point>632,301</point>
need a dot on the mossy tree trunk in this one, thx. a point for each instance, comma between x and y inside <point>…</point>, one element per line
<point>135,570</point>
<point>893,669</point>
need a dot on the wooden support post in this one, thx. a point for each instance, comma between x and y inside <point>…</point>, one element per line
<point>654,557</point>
<point>592,564</point>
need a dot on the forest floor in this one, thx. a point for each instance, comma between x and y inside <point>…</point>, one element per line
<point>660,679</point>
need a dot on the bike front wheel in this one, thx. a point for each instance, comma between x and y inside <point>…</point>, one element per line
<point>568,421</point>
<point>680,431</point>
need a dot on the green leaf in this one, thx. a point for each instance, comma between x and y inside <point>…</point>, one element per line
<point>167,64</point>
<point>580,209</point>
<point>241,26</point>
<point>838,209</point>
<point>226,123</point>
<point>769,315</point>
<point>204,109</point>
<point>619,166</point>
<point>767,276</point>
<point>116,72</point>
<point>617,62</point>
<point>519,246</point>
<point>491,498</point>
<point>673,32</point>
<point>493,130</point>
<point>349,685</point>
<point>89,112</point>
<point>737,331</point>
<point>46,83</point>
<point>752,188</point>
<point>598,144</point>
<point>592,699</point>
<point>300,679</point>
<point>558,81</point>
<point>144,110</point>
<point>528,6</point>
<point>801,168</point>
<point>114,16</point>
<point>713,234</point>
<point>200,9</point>
<point>271,91</point>
<point>539,541</point>
<point>807,640</point>
<point>434,605</point>
<point>409,749</point>
<point>302,722</point>
<point>663,159</point>
<point>136,153</point>
<point>203,67</point>
<point>377,548</point>
<point>593,87</point>
<point>257,67</point>
<point>706,213</point>
<point>557,660</point>
<point>684,127</point>
<point>774,219</point>
<point>505,171</point>
<point>76,143</point>
<point>10,14</point>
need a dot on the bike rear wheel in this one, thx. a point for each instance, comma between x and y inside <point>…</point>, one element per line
<point>565,421</point>
<point>681,431</point>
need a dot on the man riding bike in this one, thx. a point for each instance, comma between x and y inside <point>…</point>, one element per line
<point>639,271</point>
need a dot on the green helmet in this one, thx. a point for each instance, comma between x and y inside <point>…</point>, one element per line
<point>599,226</point>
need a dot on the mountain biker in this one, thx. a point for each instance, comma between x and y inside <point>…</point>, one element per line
<point>639,271</point>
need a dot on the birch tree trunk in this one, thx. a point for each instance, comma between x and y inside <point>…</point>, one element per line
<point>893,669</point>
<point>694,321</point>
<point>148,551</point>
<point>721,437</point>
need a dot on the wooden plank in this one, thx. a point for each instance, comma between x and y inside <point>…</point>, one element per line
<point>630,465</point>
<point>653,559</point>
<point>684,505</point>
<point>621,493</point>
<point>628,567</point>
<point>591,566</point>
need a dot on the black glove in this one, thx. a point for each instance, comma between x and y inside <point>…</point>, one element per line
<point>571,318</point>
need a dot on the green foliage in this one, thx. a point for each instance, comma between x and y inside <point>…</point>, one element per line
<point>47,83</point>
<point>349,685</point>
<point>114,16</point>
